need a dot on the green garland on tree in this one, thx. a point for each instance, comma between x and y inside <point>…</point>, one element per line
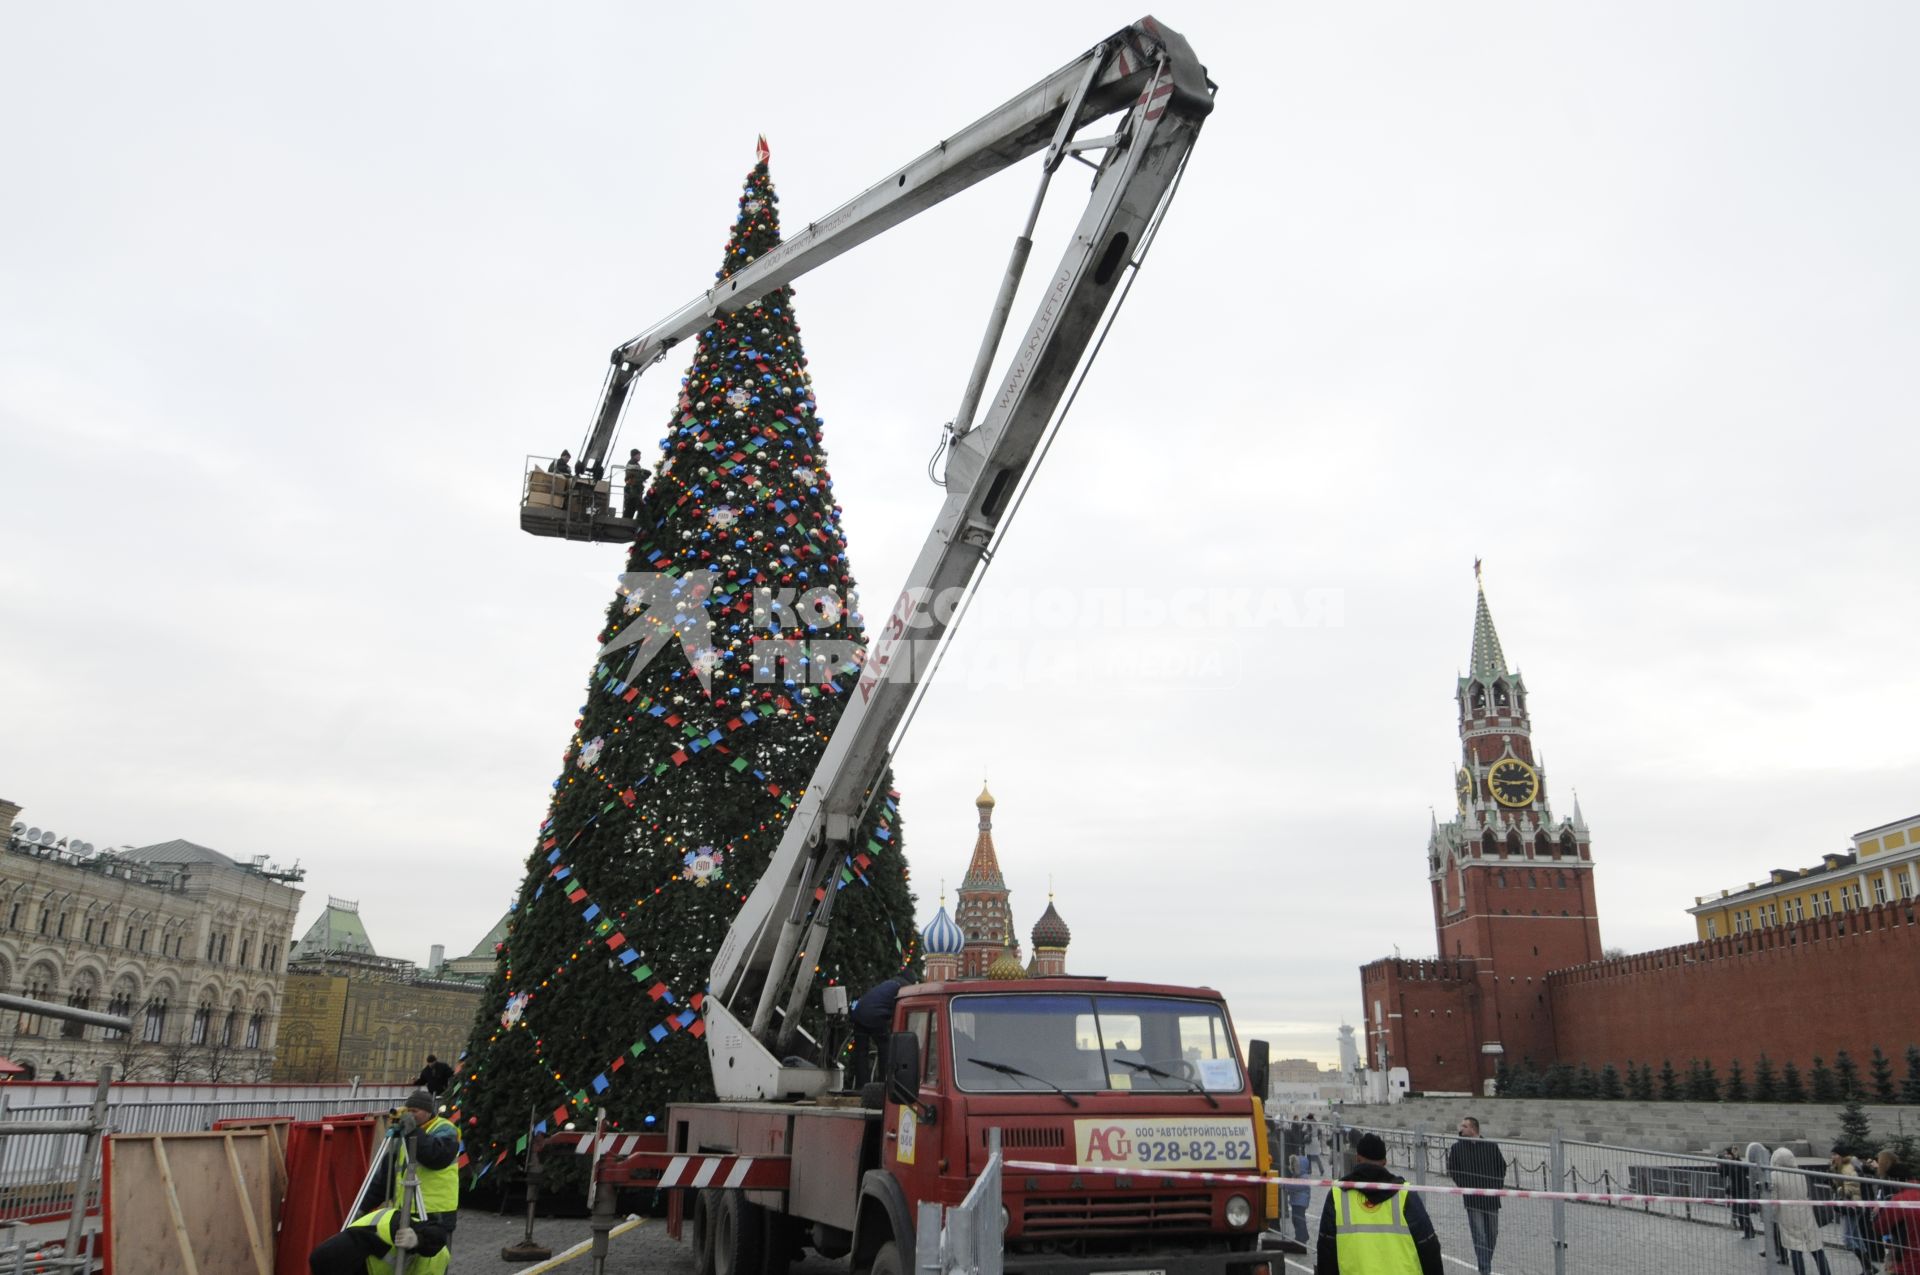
<point>690,753</point>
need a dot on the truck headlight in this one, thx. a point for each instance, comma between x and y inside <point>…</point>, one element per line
<point>1239,1212</point>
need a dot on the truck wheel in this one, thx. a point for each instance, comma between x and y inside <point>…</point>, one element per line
<point>887,1261</point>
<point>700,1236</point>
<point>781,1245</point>
<point>738,1229</point>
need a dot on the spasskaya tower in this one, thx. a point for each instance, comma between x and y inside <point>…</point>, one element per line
<point>1512,884</point>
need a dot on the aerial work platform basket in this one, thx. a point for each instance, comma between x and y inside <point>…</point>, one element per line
<point>575,507</point>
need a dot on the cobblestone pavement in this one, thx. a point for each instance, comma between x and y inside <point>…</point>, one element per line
<point>645,1248</point>
<point>1600,1240</point>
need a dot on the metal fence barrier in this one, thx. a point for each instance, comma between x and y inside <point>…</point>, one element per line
<point>1693,1215</point>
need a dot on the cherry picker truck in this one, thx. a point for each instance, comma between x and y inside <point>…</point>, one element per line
<point>1078,1072</point>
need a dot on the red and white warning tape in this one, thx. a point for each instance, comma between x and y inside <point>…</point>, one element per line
<point>722,1171</point>
<point>1594,1197</point>
<point>607,1144</point>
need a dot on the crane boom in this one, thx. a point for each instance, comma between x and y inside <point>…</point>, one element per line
<point>1121,67</point>
<point>762,974</point>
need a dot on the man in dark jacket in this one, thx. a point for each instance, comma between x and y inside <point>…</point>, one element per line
<point>434,1077</point>
<point>872,1020</point>
<point>1368,1229</point>
<point>1473,1161</point>
<point>634,485</point>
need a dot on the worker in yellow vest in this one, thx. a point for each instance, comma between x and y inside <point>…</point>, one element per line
<point>435,1141</point>
<point>370,1242</point>
<point>1375,1230</point>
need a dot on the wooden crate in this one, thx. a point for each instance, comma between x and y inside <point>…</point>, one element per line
<point>192,1203</point>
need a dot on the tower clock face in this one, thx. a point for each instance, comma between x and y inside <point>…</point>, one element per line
<point>1512,782</point>
<point>1463,786</point>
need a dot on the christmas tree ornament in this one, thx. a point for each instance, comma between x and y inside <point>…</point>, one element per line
<point>702,865</point>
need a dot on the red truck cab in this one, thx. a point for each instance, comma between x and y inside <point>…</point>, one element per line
<point>1117,1084</point>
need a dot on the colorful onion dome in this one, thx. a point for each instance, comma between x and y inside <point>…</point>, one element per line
<point>1050,930</point>
<point>941,937</point>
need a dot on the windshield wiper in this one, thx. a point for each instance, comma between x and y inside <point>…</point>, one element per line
<point>1005,1070</point>
<point>1152,1070</point>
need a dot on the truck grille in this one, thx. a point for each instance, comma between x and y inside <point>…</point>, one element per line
<point>1029,1139</point>
<point>1095,1214</point>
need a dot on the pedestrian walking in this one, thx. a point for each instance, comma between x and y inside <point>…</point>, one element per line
<point>1760,1180</point>
<point>1473,1161</point>
<point>1798,1230</point>
<point>1853,1221</point>
<point>1738,1182</point>
<point>1299,1197</point>
<point>1375,1228</point>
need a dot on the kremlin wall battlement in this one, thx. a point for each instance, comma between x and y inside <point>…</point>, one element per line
<point>1419,969</point>
<point>1791,991</point>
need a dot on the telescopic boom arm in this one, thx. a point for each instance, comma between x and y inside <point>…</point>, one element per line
<point>760,980</point>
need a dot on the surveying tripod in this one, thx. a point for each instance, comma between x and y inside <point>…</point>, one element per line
<point>409,1202</point>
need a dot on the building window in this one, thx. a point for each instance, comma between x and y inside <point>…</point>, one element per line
<point>231,1027</point>
<point>28,1023</point>
<point>1906,887</point>
<point>60,930</point>
<point>79,1000</point>
<point>244,943</point>
<point>1794,912</point>
<point>1772,916</point>
<point>1879,889</point>
<point>253,1030</point>
<point>1713,929</point>
<point>89,934</point>
<point>155,1028</point>
<point>202,1019</point>
<point>46,915</point>
<point>121,1005</point>
<point>13,918</point>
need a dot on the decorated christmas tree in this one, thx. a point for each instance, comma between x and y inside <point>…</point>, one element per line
<point>725,660</point>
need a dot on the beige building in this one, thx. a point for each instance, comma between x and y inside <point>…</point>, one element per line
<point>185,941</point>
<point>1882,866</point>
<point>351,1012</point>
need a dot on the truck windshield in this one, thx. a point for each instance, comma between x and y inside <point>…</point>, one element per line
<point>1091,1044</point>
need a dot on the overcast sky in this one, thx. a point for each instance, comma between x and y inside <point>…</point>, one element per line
<point>1620,298</point>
